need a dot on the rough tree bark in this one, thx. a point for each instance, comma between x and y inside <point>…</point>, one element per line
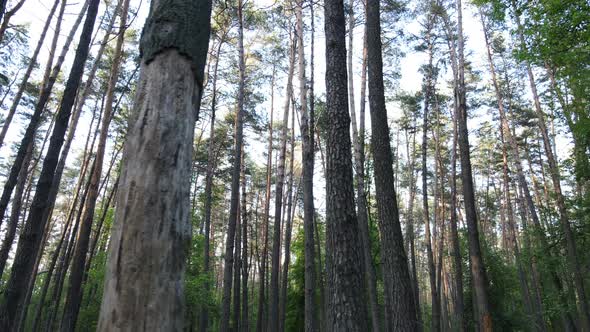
<point>358,142</point>
<point>345,305</point>
<point>151,233</point>
<point>400,314</point>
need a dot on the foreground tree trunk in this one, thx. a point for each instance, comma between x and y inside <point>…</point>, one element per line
<point>345,305</point>
<point>151,233</point>
<point>31,237</point>
<point>400,314</point>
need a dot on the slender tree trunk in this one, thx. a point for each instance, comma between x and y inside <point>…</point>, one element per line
<point>237,261</point>
<point>460,316</point>
<point>506,132</point>
<point>410,225</point>
<point>346,310</point>
<point>15,211</point>
<point>478,271</point>
<point>36,117</point>
<point>74,297</point>
<point>261,321</point>
<point>428,98</point>
<point>212,163</point>
<point>273,314</point>
<point>288,228</point>
<point>30,240</point>
<point>235,184</point>
<point>150,238</point>
<point>307,127</point>
<point>245,323</point>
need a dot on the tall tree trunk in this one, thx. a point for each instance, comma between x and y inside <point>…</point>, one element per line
<point>245,321</point>
<point>273,314</point>
<point>30,239</point>
<point>261,317</point>
<point>211,164</point>
<point>460,316</point>
<point>237,261</point>
<point>74,297</point>
<point>346,310</point>
<point>410,224</point>
<point>307,127</point>
<point>399,306</point>
<point>478,271</point>
<point>235,183</point>
<point>288,228</point>
<point>359,163</point>
<point>149,242</point>
<point>428,98</point>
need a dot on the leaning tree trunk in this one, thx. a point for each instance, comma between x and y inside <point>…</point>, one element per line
<point>235,183</point>
<point>151,234</point>
<point>48,82</point>
<point>478,271</point>
<point>345,305</point>
<point>74,295</point>
<point>30,239</point>
<point>400,314</point>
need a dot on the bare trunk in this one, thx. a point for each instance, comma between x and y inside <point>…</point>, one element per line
<point>478,271</point>
<point>273,314</point>
<point>235,183</point>
<point>346,310</point>
<point>150,237</point>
